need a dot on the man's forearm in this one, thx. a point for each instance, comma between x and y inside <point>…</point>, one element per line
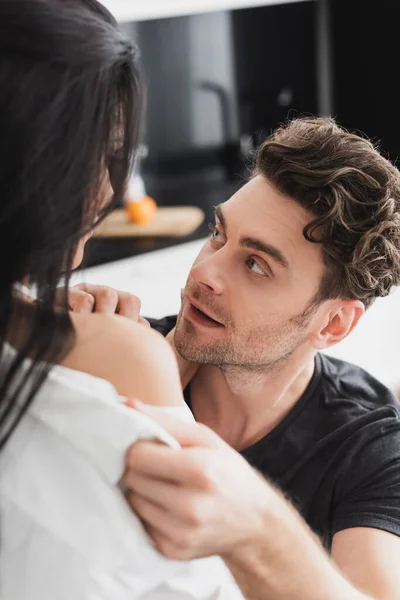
<point>287,562</point>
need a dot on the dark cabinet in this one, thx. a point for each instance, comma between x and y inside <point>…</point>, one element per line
<point>366,57</point>
<point>275,64</point>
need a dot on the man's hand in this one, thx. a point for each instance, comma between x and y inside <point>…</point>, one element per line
<point>86,298</point>
<point>201,500</point>
<point>205,499</point>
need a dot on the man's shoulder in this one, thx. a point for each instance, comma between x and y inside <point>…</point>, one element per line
<point>344,381</point>
<point>164,325</point>
<point>348,407</point>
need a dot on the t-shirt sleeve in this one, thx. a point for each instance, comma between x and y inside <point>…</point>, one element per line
<point>163,326</point>
<point>368,490</point>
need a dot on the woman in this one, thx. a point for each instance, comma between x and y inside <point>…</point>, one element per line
<point>70,105</point>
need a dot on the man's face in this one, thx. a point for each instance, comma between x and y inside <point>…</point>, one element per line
<point>256,277</point>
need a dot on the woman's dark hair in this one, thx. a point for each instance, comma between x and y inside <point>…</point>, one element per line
<point>353,193</point>
<point>70,112</point>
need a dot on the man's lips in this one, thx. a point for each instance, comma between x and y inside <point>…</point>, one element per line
<point>195,312</point>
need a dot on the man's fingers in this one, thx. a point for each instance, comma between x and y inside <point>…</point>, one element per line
<point>162,493</point>
<point>83,287</point>
<point>170,535</point>
<point>165,464</point>
<point>129,306</point>
<point>154,514</point>
<point>167,496</point>
<point>151,513</point>
<point>84,298</point>
<point>107,301</point>
<point>168,547</point>
<point>81,302</point>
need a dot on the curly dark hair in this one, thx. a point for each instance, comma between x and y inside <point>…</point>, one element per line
<point>354,194</point>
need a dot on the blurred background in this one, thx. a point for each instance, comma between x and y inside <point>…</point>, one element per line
<point>220,75</point>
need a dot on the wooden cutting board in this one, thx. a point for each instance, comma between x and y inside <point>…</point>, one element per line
<point>170,221</point>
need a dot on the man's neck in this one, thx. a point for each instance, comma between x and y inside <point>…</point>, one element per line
<point>242,406</point>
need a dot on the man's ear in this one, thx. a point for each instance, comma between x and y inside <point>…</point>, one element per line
<point>341,319</point>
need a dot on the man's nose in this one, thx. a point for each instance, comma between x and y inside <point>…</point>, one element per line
<point>209,272</point>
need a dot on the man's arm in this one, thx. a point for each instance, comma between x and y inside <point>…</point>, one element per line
<point>287,562</point>
<point>205,499</point>
<point>370,558</point>
<point>365,567</point>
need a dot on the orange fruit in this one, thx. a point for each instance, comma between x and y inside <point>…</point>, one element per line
<point>143,211</point>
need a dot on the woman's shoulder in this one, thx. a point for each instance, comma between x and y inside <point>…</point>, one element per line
<point>137,360</point>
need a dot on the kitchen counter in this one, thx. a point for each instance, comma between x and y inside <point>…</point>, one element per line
<point>205,189</point>
<point>104,251</point>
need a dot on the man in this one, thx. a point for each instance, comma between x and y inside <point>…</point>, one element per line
<point>294,259</point>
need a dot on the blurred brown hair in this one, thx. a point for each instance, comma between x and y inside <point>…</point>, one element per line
<point>353,193</point>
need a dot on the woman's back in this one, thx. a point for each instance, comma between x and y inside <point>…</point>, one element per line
<point>67,531</point>
<point>70,115</point>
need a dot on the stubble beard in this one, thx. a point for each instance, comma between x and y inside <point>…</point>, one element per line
<point>253,352</point>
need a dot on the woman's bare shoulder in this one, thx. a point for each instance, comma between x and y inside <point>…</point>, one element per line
<point>137,360</point>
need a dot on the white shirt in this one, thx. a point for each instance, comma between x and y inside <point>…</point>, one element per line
<point>66,531</point>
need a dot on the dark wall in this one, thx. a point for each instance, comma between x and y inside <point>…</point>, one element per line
<point>366,57</point>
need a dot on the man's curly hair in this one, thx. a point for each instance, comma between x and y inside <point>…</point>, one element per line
<point>353,193</point>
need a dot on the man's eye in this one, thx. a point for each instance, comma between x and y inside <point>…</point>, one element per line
<point>215,234</point>
<point>255,267</point>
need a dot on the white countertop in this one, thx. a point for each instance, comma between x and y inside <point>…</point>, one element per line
<point>157,278</point>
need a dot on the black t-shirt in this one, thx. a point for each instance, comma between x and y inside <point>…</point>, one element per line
<point>336,454</point>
